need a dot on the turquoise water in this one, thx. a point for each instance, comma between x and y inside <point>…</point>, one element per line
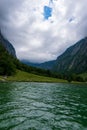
<point>43,106</point>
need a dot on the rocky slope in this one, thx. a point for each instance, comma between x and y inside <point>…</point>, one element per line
<point>74,59</point>
<point>7,45</point>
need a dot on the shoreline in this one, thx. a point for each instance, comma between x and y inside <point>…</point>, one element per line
<point>22,76</point>
<point>64,82</point>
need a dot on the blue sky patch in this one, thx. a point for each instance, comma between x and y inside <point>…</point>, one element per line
<point>47,12</point>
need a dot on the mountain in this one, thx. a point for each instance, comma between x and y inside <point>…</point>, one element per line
<point>9,64</point>
<point>73,60</point>
<point>46,65</point>
<point>7,57</point>
<point>7,45</point>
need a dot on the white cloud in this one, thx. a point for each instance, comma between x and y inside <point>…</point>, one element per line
<point>37,39</point>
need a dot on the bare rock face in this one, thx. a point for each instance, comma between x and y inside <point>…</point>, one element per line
<point>7,45</point>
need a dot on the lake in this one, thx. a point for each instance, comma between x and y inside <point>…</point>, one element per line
<point>43,106</point>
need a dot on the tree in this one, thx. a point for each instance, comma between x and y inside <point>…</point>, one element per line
<point>7,66</point>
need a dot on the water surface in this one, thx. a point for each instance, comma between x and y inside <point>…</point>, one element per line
<point>43,106</point>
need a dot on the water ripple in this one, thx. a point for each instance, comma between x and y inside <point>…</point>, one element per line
<point>43,106</point>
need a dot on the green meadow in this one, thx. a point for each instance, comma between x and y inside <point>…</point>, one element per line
<point>28,77</point>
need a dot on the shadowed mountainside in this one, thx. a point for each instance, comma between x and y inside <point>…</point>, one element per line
<point>7,45</point>
<point>74,59</point>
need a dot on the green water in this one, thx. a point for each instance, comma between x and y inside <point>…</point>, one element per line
<point>43,106</point>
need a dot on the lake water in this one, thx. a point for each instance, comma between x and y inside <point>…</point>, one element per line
<point>43,106</point>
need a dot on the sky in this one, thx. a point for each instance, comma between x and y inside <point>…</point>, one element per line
<point>41,30</point>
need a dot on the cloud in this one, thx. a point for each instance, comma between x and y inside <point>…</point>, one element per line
<point>41,35</point>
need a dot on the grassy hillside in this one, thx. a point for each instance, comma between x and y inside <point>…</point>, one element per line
<point>9,65</point>
<point>24,76</point>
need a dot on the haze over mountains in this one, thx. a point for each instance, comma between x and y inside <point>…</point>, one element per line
<point>73,60</point>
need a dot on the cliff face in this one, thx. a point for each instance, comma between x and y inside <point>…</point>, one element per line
<point>74,59</point>
<point>7,45</point>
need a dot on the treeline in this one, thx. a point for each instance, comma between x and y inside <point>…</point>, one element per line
<point>9,65</point>
<point>71,77</point>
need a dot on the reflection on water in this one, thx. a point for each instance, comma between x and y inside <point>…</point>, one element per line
<point>43,106</point>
